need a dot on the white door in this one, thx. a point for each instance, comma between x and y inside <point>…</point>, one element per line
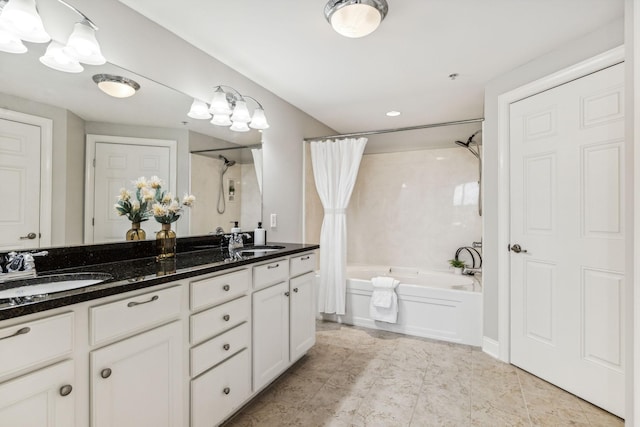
<point>567,216</point>
<point>138,382</point>
<point>43,398</point>
<point>302,315</point>
<point>270,333</point>
<point>20,177</point>
<point>116,167</point>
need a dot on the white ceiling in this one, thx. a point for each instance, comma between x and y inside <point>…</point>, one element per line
<point>288,47</point>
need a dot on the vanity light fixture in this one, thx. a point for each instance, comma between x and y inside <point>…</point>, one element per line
<point>393,113</point>
<point>20,22</point>
<point>355,18</point>
<point>229,108</point>
<point>116,86</point>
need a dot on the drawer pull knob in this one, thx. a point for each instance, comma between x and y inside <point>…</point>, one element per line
<point>269,267</point>
<point>226,317</point>
<point>105,373</point>
<point>134,303</point>
<point>20,331</point>
<point>286,294</point>
<point>226,390</point>
<point>65,390</point>
<point>226,287</point>
<point>304,258</point>
<point>295,290</point>
<point>226,347</point>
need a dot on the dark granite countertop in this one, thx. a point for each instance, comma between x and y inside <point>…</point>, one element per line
<point>133,266</point>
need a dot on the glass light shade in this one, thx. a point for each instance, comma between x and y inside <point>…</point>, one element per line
<point>356,20</point>
<point>199,110</point>
<point>55,58</point>
<point>239,127</point>
<point>259,120</point>
<point>83,46</point>
<point>221,120</point>
<point>219,103</point>
<point>9,42</point>
<point>241,112</point>
<point>116,86</point>
<point>22,19</point>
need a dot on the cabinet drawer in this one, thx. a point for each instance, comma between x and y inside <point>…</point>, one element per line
<point>268,274</point>
<point>123,317</point>
<point>28,344</point>
<point>214,351</point>
<point>302,264</point>
<point>219,319</point>
<point>214,290</point>
<point>219,392</point>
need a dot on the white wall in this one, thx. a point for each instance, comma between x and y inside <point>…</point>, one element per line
<point>606,38</point>
<point>134,42</point>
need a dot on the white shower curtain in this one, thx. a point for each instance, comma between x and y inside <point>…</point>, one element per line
<point>335,169</point>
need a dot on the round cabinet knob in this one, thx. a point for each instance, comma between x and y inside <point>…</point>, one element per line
<point>226,317</point>
<point>295,290</point>
<point>286,294</point>
<point>226,390</point>
<point>65,390</point>
<point>226,288</point>
<point>105,373</point>
<point>226,347</point>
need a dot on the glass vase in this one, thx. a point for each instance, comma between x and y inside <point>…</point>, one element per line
<point>166,242</point>
<point>135,232</point>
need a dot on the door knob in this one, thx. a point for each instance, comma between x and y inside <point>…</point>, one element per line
<point>516,248</point>
<point>29,236</point>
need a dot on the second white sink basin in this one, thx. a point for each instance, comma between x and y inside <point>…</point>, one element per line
<point>53,283</point>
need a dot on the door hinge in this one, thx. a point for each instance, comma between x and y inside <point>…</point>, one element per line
<point>93,222</point>
<point>94,163</point>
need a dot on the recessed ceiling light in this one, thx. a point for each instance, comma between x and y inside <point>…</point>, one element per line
<point>393,113</point>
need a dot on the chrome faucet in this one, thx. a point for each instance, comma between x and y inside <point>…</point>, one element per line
<point>236,242</point>
<point>471,271</point>
<point>20,265</point>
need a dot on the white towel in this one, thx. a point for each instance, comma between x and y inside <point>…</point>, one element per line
<point>384,301</point>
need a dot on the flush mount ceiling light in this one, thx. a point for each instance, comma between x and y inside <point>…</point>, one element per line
<point>20,22</point>
<point>355,18</point>
<point>116,86</point>
<point>229,108</point>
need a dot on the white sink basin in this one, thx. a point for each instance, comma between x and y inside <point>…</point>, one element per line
<point>50,284</point>
<point>259,250</point>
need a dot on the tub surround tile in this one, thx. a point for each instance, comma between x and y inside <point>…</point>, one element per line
<point>400,381</point>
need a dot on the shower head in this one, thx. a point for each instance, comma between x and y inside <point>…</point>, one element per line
<point>468,143</point>
<point>227,162</point>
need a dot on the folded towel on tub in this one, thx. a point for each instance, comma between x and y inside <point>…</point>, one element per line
<point>384,300</point>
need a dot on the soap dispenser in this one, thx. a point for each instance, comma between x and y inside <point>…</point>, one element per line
<point>259,235</point>
<point>235,228</point>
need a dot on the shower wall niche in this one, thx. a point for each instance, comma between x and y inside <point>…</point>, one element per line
<point>412,208</point>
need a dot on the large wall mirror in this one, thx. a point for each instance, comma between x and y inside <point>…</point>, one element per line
<point>221,167</point>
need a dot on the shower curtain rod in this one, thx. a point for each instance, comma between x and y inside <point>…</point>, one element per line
<point>381,131</point>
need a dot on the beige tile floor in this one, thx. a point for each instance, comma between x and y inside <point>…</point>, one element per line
<point>361,377</point>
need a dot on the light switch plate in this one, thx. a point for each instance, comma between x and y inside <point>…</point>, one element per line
<point>274,220</point>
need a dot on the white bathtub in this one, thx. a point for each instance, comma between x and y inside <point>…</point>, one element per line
<point>438,305</point>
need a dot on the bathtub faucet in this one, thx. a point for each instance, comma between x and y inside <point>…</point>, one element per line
<point>471,271</point>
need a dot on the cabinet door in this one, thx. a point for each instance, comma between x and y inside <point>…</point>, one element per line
<point>270,333</point>
<point>303,315</point>
<point>138,382</point>
<point>44,398</point>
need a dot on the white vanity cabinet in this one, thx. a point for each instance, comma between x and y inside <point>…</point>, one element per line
<point>283,316</point>
<point>220,359</point>
<point>138,381</point>
<point>43,394</point>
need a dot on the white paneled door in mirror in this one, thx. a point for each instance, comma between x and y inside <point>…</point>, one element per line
<point>566,200</point>
<point>118,166</point>
<point>20,177</point>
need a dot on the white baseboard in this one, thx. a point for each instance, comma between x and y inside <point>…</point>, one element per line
<point>491,347</point>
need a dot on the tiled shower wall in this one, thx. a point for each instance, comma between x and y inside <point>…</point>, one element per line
<point>408,209</point>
